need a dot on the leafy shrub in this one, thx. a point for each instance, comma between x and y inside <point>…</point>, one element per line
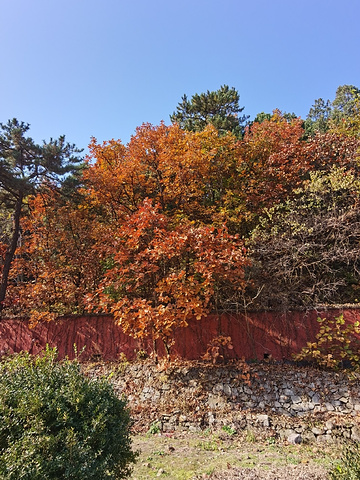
<point>337,344</point>
<point>155,428</point>
<point>216,349</point>
<point>349,466</point>
<point>55,423</point>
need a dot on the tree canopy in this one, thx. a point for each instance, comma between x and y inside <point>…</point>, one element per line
<point>219,108</point>
<point>25,168</point>
<point>325,115</point>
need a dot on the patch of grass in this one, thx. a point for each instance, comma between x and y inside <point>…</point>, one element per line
<point>184,456</point>
<point>293,460</point>
<point>229,430</point>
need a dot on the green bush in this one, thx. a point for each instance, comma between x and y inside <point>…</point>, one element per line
<point>55,423</point>
<point>337,344</point>
<point>349,466</point>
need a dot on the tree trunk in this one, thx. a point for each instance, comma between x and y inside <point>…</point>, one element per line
<point>10,251</point>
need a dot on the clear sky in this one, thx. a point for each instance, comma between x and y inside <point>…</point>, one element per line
<point>103,67</point>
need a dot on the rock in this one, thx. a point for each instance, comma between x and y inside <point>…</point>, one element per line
<point>355,434</point>
<point>329,425</point>
<point>194,429</point>
<point>288,392</point>
<point>211,418</point>
<point>294,438</point>
<point>264,420</point>
<point>324,438</point>
<point>287,432</point>
<point>215,401</point>
<point>284,398</point>
<point>227,390</point>
<point>308,437</point>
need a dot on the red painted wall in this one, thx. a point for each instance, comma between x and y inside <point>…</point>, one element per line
<point>253,336</point>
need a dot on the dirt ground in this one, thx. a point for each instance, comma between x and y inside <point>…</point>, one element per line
<point>227,455</point>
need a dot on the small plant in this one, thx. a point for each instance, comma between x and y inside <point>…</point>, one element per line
<point>250,436</point>
<point>217,348</point>
<point>141,355</point>
<point>337,345</point>
<point>77,353</point>
<point>57,424</point>
<point>160,453</point>
<point>246,373</point>
<point>229,430</point>
<point>349,466</point>
<point>209,445</point>
<point>123,358</point>
<point>154,428</point>
<point>121,364</point>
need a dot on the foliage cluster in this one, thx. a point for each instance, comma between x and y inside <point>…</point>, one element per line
<point>57,424</point>
<point>216,348</point>
<point>348,468</point>
<point>337,345</point>
<point>206,214</point>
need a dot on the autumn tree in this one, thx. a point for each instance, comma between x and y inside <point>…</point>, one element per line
<point>57,264</point>
<point>159,276</point>
<point>24,169</point>
<point>205,177</point>
<point>269,167</point>
<point>219,108</point>
<point>187,173</point>
<point>70,245</point>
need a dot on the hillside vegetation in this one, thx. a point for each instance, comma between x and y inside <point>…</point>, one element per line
<point>211,213</point>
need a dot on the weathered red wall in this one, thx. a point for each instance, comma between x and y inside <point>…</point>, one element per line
<point>253,335</point>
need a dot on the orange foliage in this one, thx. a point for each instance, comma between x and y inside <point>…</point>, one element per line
<point>186,173</point>
<point>57,263</point>
<point>160,276</point>
<point>272,162</point>
<point>154,267</point>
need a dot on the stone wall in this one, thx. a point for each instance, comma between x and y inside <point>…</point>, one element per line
<point>275,400</point>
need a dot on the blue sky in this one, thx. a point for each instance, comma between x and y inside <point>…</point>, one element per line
<point>103,67</point>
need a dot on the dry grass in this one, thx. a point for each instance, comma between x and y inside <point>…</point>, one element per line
<point>224,455</point>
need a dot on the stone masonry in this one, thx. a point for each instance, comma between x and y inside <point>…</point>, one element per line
<point>282,400</point>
